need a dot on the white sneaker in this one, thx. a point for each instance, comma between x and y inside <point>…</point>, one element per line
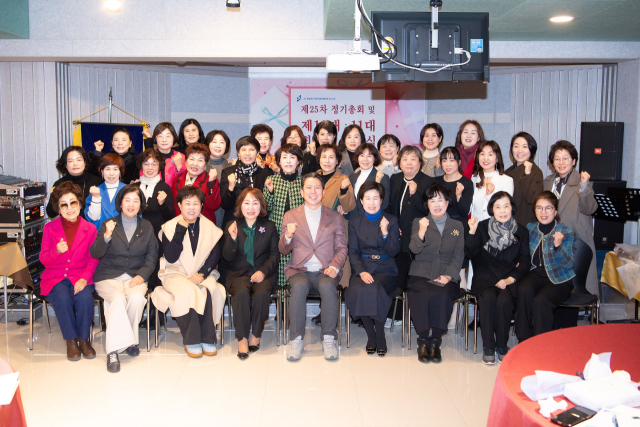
<point>296,347</point>
<point>387,323</point>
<point>329,348</point>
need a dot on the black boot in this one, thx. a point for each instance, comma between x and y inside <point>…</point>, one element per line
<point>423,351</point>
<point>434,350</point>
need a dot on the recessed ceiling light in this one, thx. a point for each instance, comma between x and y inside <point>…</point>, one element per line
<point>563,18</point>
<point>113,5</point>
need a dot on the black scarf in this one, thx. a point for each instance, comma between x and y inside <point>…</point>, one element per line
<point>244,174</point>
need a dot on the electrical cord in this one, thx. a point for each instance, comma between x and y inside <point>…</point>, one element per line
<point>393,49</point>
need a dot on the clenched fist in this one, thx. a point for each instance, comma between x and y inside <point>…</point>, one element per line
<point>162,196</point>
<point>269,184</point>
<point>109,227</point>
<point>62,247</point>
<point>459,190</point>
<point>424,224</point>
<point>145,132</point>
<point>491,187</point>
<point>584,177</point>
<point>557,238</point>
<point>379,176</point>
<point>384,226</point>
<point>412,187</point>
<point>233,230</point>
<point>177,161</point>
<point>527,168</point>
<point>345,183</point>
<point>291,229</point>
<point>232,182</point>
<point>312,148</point>
<point>183,222</point>
<point>213,174</point>
<point>95,191</point>
<point>473,224</point>
<point>99,145</point>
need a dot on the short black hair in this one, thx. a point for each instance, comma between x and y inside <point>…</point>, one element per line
<point>189,191</point>
<point>310,175</point>
<point>450,152</point>
<point>224,136</point>
<point>365,146</point>
<point>326,147</point>
<point>130,188</point>
<point>563,145</point>
<point>342,143</point>
<point>411,149</point>
<point>61,164</point>
<point>438,130</point>
<point>389,137</point>
<point>433,191</point>
<point>531,142</point>
<point>123,130</point>
<point>291,149</point>
<point>262,128</point>
<point>329,126</point>
<point>368,186</point>
<point>497,196</point>
<point>247,140</point>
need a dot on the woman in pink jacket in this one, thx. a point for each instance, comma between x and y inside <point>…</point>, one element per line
<point>67,281</point>
<point>163,138</point>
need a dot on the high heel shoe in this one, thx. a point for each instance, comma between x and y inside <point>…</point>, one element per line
<point>370,350</point>
<point>254,348</point>
<point>382,352</point>
<point>243,356</point>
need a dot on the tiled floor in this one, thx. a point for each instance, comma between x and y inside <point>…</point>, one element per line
<point>167,388</point>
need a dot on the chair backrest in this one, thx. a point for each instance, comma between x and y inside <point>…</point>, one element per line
<point>583,256</point>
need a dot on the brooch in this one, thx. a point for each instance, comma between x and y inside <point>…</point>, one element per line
<point>261,229</point>
<point>455,233</point>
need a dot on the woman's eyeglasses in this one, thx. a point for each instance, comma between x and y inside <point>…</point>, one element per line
<point>547,209</point>
<point>65,206</point>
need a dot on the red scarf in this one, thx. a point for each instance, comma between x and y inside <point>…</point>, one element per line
<point>466,155</point>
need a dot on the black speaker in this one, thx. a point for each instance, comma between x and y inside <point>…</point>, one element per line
<point>601,150</point>
<point>607,233</point>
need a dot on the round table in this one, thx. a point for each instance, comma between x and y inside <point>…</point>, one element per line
<point>11,415</point>
<point>565,351</point>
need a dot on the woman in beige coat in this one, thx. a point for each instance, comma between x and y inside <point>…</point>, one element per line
<point>192,247</point>
<point>576,200</point>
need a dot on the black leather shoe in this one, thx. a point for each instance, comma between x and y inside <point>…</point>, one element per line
<point>423,351</point>
<point>243,356</point>
<point>113,362</point>
<point>133,351</point>
<point>254,348</point>
<point>382,352</point>
<point>434,350</point>
<point>370,350</point>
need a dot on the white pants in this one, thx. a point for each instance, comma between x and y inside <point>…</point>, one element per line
<point>123,309</point>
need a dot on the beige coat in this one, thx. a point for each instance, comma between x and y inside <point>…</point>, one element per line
<point>332,190</point>
<point>177,292</point>
<point>575,209</point>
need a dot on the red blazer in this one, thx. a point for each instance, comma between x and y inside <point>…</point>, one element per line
<point>75,264</point>
<point>211,194</point>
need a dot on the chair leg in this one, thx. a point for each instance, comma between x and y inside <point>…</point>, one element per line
<point>403,318</point>
<point>278,317</point>
<point>100,310</point>
<point>466,322</point>
<point>46,314</point>
<point>393,318</point>
<point>30,321</point>
<point>475,327</point>
<point>597,310</point>
<point>222,329</point>
<point>347,319</point>
<point>230,312</point>
<point>285,318</point>
<point>158,327</point>
<point>165,320</point>
<point>406,301</point>
<point>149,324</point>
<point>339,318</point>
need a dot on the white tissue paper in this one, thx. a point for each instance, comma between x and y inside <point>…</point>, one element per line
<point>546,384</point>
<point>549,406</point>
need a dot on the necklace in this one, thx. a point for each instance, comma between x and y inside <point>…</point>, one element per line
<point>192,230</point>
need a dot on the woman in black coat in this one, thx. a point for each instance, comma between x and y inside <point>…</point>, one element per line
<point>121,144</point>
<point>128,251</point>
<point>73,165</point>
<point>251,251</point>
<point>244,174</point>
<point>405,203</point>
<point>527,176</point>
<point>374,239</point>
<point>498,248</point>
<point>368,161</point>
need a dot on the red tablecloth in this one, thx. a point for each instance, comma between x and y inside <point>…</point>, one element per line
<point>11,415</point>
<point>565,351</point>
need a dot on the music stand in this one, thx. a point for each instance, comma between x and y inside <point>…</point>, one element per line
<point>620,204</point>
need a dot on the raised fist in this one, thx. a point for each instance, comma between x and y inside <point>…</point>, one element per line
<point>584,177</point>
<point>269,184</point>
<point>95,191</point>
<point>233,230</point>
<point>213,174</point>
<point>109,227</point>
<point>99,145</point>
<point>232,182</point>
<point>384,226</point>
<point>473,224</point>
<point>527,167</point>
<point>162,196</point>
<point>345,183</point>
<point>62,247</point>
<point>412,187</point>
<point>557,238</point>
<point>291,229</point>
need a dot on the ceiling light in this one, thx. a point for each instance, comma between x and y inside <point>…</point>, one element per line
<point>233,3</point>
<point>563,18</point>
<point>113,5</point>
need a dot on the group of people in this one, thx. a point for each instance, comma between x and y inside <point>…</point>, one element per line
<point>184,224</point>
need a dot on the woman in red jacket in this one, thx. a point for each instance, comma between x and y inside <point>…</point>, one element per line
<point>67,281</point>
<point>197,156</point>
<point>469,137</point>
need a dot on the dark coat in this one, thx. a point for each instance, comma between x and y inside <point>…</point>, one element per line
<point>459,209</point>
<point>437,255</point>
<point>137,257</point>
<point>365,237</point>
<point>84,181</point>
<point>309,163</point>
<point>514,261</point>
<point>228,199</point>
<point>386,183</point>
<point>525,189</point>
<point>265,252</point>
<point>158,214</point>
<point>413,209</point>
<point>131,171</point>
